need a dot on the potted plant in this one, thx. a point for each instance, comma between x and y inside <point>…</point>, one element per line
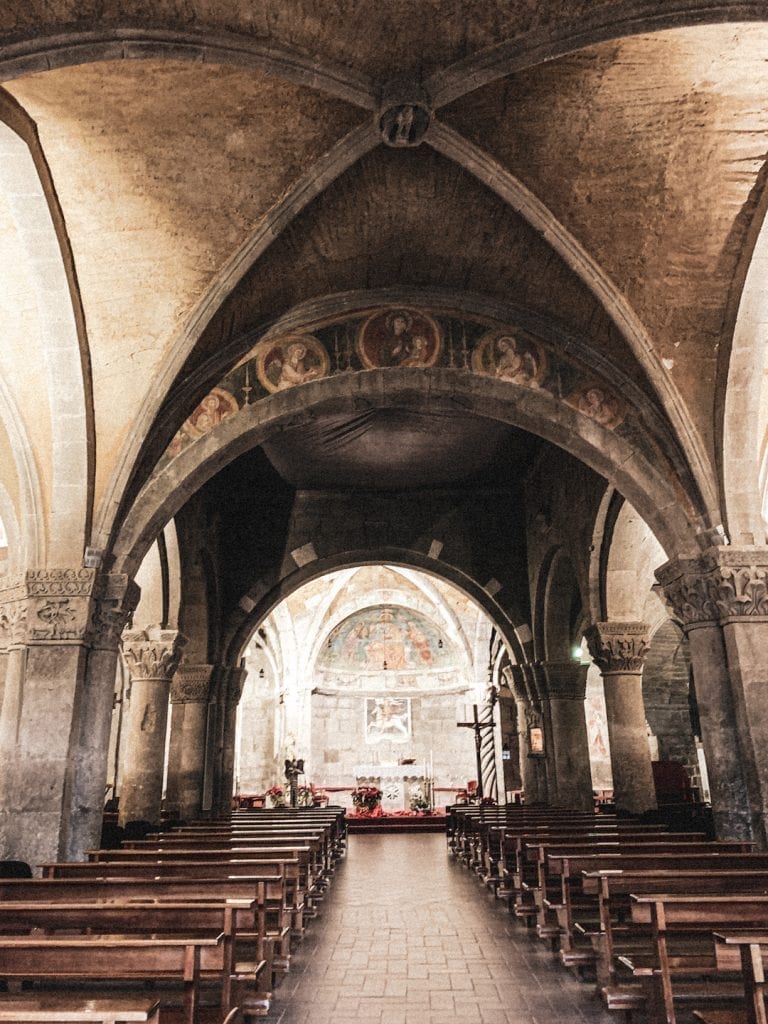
<point>276,796</point>
<point>420,804</point>
<point>366,799</point>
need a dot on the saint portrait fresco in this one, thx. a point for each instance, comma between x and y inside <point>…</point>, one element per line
<point>599,405</point>
<point>283,363</point>
<point>398,337</point>
<point>217,405</point>
<point>509,357</point>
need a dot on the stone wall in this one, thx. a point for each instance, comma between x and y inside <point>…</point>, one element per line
<point>338,740</point>
<point>665,693</point>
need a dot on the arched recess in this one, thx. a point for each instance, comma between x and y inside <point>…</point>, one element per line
<point>676,524</point>
<point>255,606</point>
<point>743,401</point>
<point>633,555</point>
<point>559,610</point>
<point>52,407</point>
<point>320,685</point>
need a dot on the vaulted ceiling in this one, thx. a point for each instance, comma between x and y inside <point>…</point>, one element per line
<point>215,170</point>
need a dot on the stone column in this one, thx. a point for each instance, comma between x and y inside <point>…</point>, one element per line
<point>529,716</point>
<point>230,687</point>
<point>564,688</point>
<point>115,598</point>
<point>619,649</point>
<point>44,628</point>
<point>721,600</point>
<point>186,755</point>
<point>152,657</point>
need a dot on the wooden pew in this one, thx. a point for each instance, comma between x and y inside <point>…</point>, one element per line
<point>237,920</point>
<point>753,951</point>
<point>186,959</point>
<point>55,1009</point>
<point>560,870</point>
<point>611,889</point>
<point>301,887</point>
<point>266,891</point>
<point>674,920</point>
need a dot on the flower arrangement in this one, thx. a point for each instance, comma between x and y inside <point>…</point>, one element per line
<point>304,796</point>
<point>276,796</point>
<point>419,803</point>
<point>366,798</point>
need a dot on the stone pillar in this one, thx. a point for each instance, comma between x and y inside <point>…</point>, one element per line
<point>721,600</point>
<point>152,657</point>
<point>115,598</point>
<point>529,716</point>
<point>186,755</point>
<point>52,758</point>
<point>230,687</point>
<point>618,649</point>
<point>563,691</point>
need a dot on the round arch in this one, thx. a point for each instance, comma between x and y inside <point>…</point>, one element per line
<point>557,586</point>
<point>263,599</point>
<point>668,513</point>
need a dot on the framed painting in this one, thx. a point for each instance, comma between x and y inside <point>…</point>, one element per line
<point>387,718</point>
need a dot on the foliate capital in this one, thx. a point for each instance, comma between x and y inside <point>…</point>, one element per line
<point>619,648</point>
<point>153,653</point>
<point>191,684</point>
<point>722,585</point>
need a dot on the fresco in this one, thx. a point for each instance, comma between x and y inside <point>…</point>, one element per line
<point>599,405</point>
<point>289,361</point>
<point>510,357</point>
<point>402,336</point>
<point>399,337</point>
<point>386,638</point>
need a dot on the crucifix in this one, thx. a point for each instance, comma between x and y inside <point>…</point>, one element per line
<point>478,726</point>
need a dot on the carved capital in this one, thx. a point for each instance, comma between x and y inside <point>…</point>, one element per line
<point>722,585</point>
<point>619,648</point>
<point>115,602</point>
<point>231,680</point>
<point>13,613</point>
<point>564,680</point>
<point>46,606</point>
<point>153,653</point>
<point>526,683</point>
<point>191,684</point>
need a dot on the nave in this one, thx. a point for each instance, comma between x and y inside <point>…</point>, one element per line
<point>407,936</point>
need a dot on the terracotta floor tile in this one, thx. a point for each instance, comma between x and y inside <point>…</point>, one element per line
<point>407,936</point>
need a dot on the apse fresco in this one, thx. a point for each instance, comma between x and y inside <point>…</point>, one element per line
<point>386,638</point>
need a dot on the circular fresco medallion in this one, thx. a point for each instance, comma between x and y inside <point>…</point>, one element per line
<point>217,405</point>
<point>283,363</point>
<point>398,337</point>
<point>599,405</point>
<point>511,357</point>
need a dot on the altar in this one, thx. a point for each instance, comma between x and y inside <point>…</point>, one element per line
<point>399,784</point>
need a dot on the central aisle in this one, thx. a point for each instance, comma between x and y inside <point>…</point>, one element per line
<point>406,936</point>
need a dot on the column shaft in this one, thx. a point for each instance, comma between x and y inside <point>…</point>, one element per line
<point>152,657</point>
<point>719,733</point>
<point>186,754</point>
<point>565,690</point>
<point>619,649</point>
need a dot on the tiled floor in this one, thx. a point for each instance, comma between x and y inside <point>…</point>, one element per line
<point>406,936</point>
